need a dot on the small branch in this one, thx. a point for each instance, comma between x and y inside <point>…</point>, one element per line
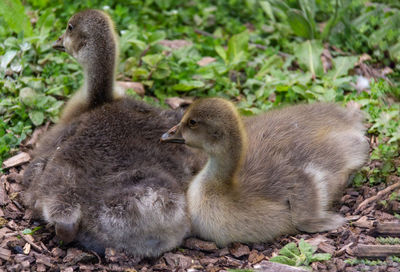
<point>29,239</point>
<point>378,196</point>
<point>142,55</point>
<point>204,33</point>
<point>377,251</point>
<point>388,228</point>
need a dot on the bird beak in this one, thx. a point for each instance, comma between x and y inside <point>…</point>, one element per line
<point>59,44</point>
<point>173,135</point>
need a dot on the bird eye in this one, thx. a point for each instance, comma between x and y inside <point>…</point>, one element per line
<point>192,123</point>
<point>70,27</point>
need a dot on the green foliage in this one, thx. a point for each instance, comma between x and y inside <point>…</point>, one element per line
<point>13,13</point>
<point>388,240</point>
<point>267,54</point>
<point>31,231</point>
<point>302,256</point>
<point>356,261</point>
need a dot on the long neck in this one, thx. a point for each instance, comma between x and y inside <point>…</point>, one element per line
<point>99,77</point>
<point>222,168</point>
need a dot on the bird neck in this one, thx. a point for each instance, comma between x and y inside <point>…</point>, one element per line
<point>99,76</point>
<point>223,168</point>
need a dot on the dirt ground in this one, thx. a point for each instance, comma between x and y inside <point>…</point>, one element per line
<point>366,208</point>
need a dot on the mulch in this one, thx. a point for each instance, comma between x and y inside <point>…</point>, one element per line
<point>370,211</point>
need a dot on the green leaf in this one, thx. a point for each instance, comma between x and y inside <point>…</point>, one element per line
<point>27,231</point>
<point>266,7</point>
<point>306,249</point>
<point>13,13</point>
<point>153,60</point>
<point>308,55</point>
<point>187,85</point>
<point>237,47</point>
<point>37,117</point>
<point>28,96</point>
<point>320,257</point>
<point>283,260</point>
<point>300,24</point>
<point>394,52</point>
<point>290,250</point>
<point>308,7</point>
<point>156,36</point>
<point>221,52</point>
<point>342,65</point>
<point>7,58</point>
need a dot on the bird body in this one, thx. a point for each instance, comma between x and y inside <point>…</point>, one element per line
<point>101,176</point>
<point>272,174</point>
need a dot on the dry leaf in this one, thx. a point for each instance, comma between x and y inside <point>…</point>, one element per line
<point>176,102</point>
<point>27,248</point>
<point>136,86</point>
<point>205,61</point>
<point>175,44</point>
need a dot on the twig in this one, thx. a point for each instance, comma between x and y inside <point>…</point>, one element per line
<point>97,255</point>
<point>142,55</point>
<point>388,228</point>
<point>377,251</point>
<point>204,33</point>
<point>29,241</point>
<point>378,196</point>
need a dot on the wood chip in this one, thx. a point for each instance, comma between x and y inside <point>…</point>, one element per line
<point>27,248</point>
<point>327,248</point>
<point>377,197</point>
<point>363,222</point>
<point>193,243</point>
<point>380,251</point>
<point>3,193</point>
<point>256,257</point>
<point>388,228</point>
<point>137,87</point>
<point>16,160</point>
<point>42,259</point>
<point>343,249</point>
<point>29,239</point>
<point>75,255</point>
<point>178,260</point>
<point>239,250</point>
<point>5,254</point>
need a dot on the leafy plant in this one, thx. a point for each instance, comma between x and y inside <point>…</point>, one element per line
<point>356,261</point>
<point>31,231</point>
<point>388,240</point>
<point>302,256</point>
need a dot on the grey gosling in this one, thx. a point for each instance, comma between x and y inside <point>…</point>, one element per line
<point>273,174</point>
<point>101,176</point>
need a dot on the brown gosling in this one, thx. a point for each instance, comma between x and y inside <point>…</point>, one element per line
<point>273,174</point>
<point>91,39</point>
<point>101,176</point>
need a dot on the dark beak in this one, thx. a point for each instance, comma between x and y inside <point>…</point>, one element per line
<point>173,136</point>
<point>59,44</point>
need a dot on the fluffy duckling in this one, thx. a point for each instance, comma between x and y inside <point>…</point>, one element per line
<point>269,175</point>
<point>86,31</point>
<point>102,177</point>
